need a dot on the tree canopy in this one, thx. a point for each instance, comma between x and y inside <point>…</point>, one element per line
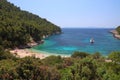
<point>18,26</point>
<point>59,68</point>
<point>118,29</point>
<point>115,57</point>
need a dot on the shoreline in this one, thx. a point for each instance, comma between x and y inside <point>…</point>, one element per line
<point>49,54</point>
<point>115,34</point>
<point>24,52</point>
<point>21,53</point>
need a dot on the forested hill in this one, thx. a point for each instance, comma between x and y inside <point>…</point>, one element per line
<point>18,26</point>
<point>118,29</point>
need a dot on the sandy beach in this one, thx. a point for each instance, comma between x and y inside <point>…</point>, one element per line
<point>25,52</point>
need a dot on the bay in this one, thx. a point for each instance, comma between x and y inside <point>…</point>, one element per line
<point>78,39</point>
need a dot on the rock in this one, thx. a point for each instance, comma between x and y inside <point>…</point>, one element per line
<point>115,34</point>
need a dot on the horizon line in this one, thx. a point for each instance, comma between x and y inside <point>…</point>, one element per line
<point>90,27</point>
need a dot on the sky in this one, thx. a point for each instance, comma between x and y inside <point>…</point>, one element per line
<point>75,13</point>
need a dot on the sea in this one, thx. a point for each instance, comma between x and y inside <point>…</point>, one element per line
<point>78,39</point>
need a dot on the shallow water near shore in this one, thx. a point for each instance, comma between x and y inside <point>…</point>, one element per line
<point>78,39</point>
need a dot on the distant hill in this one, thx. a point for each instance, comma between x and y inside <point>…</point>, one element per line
<point>18,26</point>
<point>118,29</point>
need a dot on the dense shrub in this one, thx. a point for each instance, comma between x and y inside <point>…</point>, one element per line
<point>79,54</point>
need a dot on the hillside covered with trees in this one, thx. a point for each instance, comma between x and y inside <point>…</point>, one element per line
<point>118,29</point>
<point>17,27</point>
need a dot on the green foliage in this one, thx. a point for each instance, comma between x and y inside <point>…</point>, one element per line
<point>7,65</point>
<point>57,68</point>
<point>17,26</point>
<point>118,29</point>
<point>6,55</point>
<point>86,69</point>
<point>112,72</point>
<point>66,74</point>
<point>79,54</point>
<point>1,49</point>
<point>115,57</point>
<point>96,55</point>
<point>28,68</point>
<point>52,60</point>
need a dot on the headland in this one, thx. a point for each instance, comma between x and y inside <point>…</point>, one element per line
<point>115,34</point>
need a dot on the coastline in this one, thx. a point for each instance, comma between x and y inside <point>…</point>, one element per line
<point>21,53</point>
<point>115,34</point>
<point>24,51</point>
<point>43,54</point>
<point>49,54</point>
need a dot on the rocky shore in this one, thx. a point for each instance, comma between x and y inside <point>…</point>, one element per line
<point>115,34</point>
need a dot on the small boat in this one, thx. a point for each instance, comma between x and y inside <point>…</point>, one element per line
<point>92,40</point>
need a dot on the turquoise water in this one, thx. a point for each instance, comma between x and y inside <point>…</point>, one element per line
<point>77,39</point>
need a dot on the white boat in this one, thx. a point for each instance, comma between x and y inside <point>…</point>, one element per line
<point>92,40</point>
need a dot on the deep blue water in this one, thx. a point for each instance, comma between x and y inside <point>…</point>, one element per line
<point>78,39</point>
